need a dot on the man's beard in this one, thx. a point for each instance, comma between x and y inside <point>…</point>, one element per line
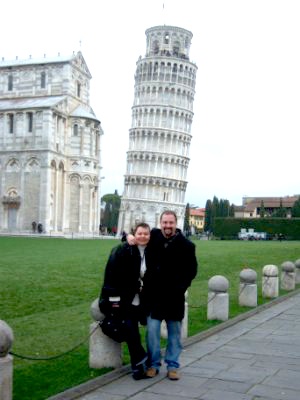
<point>168,232</point>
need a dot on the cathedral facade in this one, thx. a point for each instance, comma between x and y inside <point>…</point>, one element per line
<point>160,133</point>
<point>49,147</point>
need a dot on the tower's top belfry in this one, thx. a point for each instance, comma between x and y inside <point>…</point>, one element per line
<point>168,41</point>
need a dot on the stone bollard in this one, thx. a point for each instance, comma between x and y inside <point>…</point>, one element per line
<point>248,288</point>
<point>184,325</point>
<point>288,276</point>
<point>270,281</point>
<point>297,265</point>
<point>6,361</point>
<point>104,352</point>
<point>218,298</point>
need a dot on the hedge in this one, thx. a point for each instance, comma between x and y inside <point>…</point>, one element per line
<point>228,228</point>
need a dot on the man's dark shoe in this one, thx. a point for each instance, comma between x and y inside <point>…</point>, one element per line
<point>151,372</point>
<point>138,372</point>
<point>138,375</point>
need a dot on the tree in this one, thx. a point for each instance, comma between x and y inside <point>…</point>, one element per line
<point>186,224</point>
<point>224,208</point>
<point>111,203</point>
<point>208,217</point>
<point>281,212</point>
<point>262,211</point>
<point>231,210</point>
<point>296,209</point>
<point>216,208</point>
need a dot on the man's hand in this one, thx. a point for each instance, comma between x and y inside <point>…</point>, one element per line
<point>130,239</point>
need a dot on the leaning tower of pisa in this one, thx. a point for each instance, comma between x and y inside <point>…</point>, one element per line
<point>160,133</point>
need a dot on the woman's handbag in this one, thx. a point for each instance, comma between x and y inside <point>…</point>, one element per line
<point>114,327</point>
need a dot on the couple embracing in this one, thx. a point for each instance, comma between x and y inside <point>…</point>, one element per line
<point>145,282</point>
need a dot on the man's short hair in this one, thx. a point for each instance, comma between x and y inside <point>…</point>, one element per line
<point>141,225</point>
<point>168,212</point>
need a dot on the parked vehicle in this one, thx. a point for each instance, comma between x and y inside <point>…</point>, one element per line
<point>250,234</point>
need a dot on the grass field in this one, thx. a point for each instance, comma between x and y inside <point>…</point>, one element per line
<point>47,287</point>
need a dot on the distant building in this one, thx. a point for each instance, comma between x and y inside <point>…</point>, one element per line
<point>251,207</point>
<point>49,147</point>
<point>160,133</point>
<point>197,218</point>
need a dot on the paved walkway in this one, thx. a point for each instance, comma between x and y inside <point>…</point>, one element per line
<point>256,358</point>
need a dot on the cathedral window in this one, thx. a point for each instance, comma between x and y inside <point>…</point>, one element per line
<point>43,80</point>
<point>30,121</point>
<point>75,130</point>
<point>10,82</point>
<point>167,38</point>
<point>78,89</point>
<point>11,123</point>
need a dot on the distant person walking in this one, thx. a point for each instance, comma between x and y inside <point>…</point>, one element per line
<point>34,226</point>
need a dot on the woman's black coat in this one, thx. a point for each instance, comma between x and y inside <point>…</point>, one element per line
<point>121,278</point>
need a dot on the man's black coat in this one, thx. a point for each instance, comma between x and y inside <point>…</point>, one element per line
<point>169,276</point>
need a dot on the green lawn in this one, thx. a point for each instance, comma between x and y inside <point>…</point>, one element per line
<point>47,287</point>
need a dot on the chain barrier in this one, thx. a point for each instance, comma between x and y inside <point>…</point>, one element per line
<point>56,356</point>
<point>97,326</point>
<point>204,304</point>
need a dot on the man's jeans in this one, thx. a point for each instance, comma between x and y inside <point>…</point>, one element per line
<point>174,346</point>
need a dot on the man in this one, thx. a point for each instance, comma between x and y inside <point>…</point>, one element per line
<point>165,284</point>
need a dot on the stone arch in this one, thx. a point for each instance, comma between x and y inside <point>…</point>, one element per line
<point>74,202</point>
<point>32,164</point>
<point>11,202</point>
<point>86,179</point>
<point>12,165</point>
<point>86,202</point>
<point>12,192</point>
<point>53,164</point>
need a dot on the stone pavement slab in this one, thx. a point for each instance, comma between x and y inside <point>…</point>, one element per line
<point>257,357</point>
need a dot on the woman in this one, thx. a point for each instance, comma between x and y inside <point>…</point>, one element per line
<point>121,291</point>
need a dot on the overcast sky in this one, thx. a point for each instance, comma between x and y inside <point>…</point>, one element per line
<point>246,126</point>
